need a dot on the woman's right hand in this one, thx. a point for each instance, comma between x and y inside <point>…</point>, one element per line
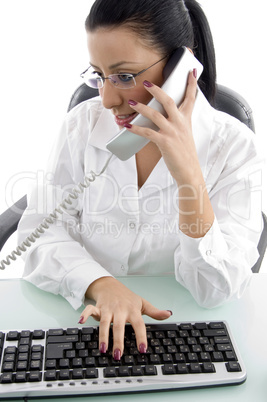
<point>116,304</point>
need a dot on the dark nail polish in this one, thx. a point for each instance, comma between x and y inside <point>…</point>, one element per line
<point>170,312</point>
<point>81,320</point>
<point>195,72</point>
<point>132,102</point>
<point>142,348</point>
<point>127,125</point>
<point>147,84</point>
<point>103,347</point>
<point>117,354</point>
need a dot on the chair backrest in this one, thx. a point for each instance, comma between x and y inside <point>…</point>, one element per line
<point>226,100</point>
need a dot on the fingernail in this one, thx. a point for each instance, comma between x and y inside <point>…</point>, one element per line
<point>132,102</point>
<point>195,72</point>
<point>147,84</point>
<point>117,354</point>
<point>127,125</point>
<point>170,312</point>
<point>142,348</point>
<point>103,347</point>
<point>81,320</point>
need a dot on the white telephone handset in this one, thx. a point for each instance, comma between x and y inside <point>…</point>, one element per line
<point>125,144</point>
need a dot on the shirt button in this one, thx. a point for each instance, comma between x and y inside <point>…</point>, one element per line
<point>122,268</point>
<point>72,294</point>
<point>132,225</point>
<point>208,252</point>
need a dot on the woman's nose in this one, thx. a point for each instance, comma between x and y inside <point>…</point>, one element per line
<point>110,95</point>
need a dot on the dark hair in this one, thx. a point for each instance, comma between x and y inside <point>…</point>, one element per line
<point>164,25</point>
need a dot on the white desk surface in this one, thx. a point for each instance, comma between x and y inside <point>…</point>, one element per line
<point>23,306</point>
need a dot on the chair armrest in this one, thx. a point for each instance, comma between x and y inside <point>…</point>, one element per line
<point>10,218</point>
<point>261,245</point>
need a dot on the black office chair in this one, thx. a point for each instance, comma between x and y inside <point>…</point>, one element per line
<point>226,100</point>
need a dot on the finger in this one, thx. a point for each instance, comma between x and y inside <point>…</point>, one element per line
<point>162,97</point>
<point>89,311</point>
<point>151,114</point>
<point>118,337</point>
<point>140,334</point>
<point>190,94</point>
<point>153,312</point>
<point>104,328</point>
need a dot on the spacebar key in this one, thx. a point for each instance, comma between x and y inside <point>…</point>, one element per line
<point>56,350</point>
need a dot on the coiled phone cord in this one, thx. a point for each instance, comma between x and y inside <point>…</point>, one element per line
<point>51,218</point>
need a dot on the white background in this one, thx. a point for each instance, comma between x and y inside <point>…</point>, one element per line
<point>43,51</point>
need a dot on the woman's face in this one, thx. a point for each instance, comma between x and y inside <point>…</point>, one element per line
<point>117,51</point>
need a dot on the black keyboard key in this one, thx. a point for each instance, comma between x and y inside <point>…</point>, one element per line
<point>87,330</point>
<point>91,373</point>
<point>50,375</point>
<point>62,339</point>
<point>204,357</point>
<point>179,358</point>
<point>6,378</point>
<point>200,325</point>
<point>208,368</point>
<point>77,374</point>
<point>77,362</point>
<point>168,369</point>
<point>216,325</point>
<point>137,371</point>
<point>36,365</point>
<point>35,376</point>
<point>23,356</point>
<point>217,357</point>
<point>50,364</point>
<point>56,350</point>
<point>21,366</point>
<point>38,334</point>
<point>21,376</point>
<point>55,332</point>
<point>150,370</point>
<point>37,349</point>
<point>12,336</point>
<point>124,371</point>
<point>155,359</point>
<point>129,360</point>
<point>230,356</point>
<point>233,366</point>
<point>8,366</point>
<point>90,362</point>
<point>158,327</point>
<point>110,372</point>
<point>195,368</point>
<point>11,349</point>
<point>64,374</point>
<point>214,332</point>
<point>25,334</point>
<point>224,348</point>
<point>64,363</point>
<point>182,368</point>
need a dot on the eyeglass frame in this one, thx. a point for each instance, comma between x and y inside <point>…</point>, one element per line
<point>109,77</point>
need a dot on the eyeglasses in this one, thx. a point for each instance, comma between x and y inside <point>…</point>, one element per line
<point>121,81</point>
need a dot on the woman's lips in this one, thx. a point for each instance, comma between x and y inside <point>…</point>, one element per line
<point>124,118</point>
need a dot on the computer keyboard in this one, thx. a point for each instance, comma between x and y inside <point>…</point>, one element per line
<point>67,361</point>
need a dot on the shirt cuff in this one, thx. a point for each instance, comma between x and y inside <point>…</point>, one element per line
<point>209,249</point>
<point>76,282</point>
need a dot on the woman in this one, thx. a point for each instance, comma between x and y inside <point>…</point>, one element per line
<point>174,207</point>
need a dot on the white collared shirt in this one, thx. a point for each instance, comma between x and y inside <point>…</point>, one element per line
<point>116,229</point>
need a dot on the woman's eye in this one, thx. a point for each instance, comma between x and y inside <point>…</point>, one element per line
<point>125,77</point>
<point>97,73</point>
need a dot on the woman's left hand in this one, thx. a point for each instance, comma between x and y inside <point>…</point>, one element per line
<point>174,138</point>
